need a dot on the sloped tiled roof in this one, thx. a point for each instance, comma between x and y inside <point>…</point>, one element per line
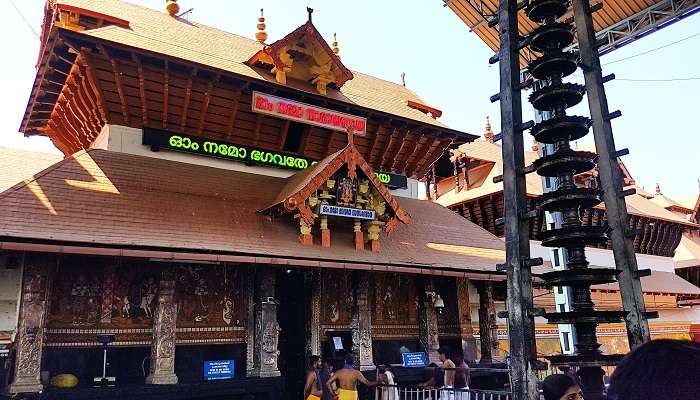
<point>490,152</point>
<point>637,204</point>
<point>107,199</point>
<point>156,31</point>
<point>688,251</point>
<point>667,202</point>
<point>17,165</point>
<point>659,282</point>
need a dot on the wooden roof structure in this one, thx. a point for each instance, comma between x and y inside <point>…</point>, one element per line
<point>112,62</point>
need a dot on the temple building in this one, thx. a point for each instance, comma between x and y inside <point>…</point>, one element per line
<point>658,227</point>
<point>230,202</point>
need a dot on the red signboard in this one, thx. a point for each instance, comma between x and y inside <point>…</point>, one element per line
<point>306,113</point>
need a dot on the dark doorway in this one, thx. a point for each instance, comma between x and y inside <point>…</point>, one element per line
<point>291,316</point>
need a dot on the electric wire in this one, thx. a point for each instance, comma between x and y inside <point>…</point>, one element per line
<point>653,50</point>
<point>23,18</point>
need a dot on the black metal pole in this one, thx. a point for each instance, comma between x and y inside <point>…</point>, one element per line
<point>611,178</point>
<point>520,321</point>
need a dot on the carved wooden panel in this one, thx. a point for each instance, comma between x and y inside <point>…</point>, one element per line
<point>76,296</point>
<point>336,298</point>
<point>209,296</point>
<point>393,299</point>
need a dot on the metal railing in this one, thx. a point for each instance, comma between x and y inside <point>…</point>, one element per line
<point>396,392</point>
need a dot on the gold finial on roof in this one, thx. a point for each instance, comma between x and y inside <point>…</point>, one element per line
<point>403,79</point>
<point>172,7</point>
<point>488,135</point>
<point>261,35</point>
<point>658,189</point>
<point>335,48</point>
<point>310,11</point>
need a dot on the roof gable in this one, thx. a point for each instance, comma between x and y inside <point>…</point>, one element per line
<point>300,193</point>
<point>304,55</point>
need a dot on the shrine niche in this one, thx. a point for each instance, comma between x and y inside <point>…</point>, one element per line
<point>305,56</point>
<point>448,317</point>
<point>394,304</point>
<point>342,190</point>
<point>210,302</point>
<point>336,299</point>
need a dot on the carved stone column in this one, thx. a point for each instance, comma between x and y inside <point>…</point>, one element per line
<point>361,324</point>
<point>427,320</point>
<point>162,370</point>
<point>313,320</point>
<point>249,294</point>
<point>465,319</point>
<point>32,315</point>
<point>488,327</point>
<point>266,327</point>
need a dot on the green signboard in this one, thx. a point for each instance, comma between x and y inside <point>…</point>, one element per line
<point>159,139</point>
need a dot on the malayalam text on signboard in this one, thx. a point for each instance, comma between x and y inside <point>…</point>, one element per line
<point>158,139</point>
<point>348,212</point>
<point>307,113</point>
<point>414,359</point>
<point>219,369</point>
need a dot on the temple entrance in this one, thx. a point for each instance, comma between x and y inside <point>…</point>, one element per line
<point>291,316</point>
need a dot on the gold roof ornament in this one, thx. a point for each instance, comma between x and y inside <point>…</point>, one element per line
<point>261,35</point>
<point>488,134</point>
<point>658,189</point>
<point>335,48</point>
<point>172,7</point>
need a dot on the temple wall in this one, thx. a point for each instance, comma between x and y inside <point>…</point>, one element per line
<point>10,280</point>
<point>605,258</point>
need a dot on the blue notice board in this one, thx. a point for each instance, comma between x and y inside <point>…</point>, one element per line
<point>219,369</point>
<point>415,359</point>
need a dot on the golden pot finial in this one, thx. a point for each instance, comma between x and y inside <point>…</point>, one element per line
<point>335,48</point>
<point>261,35</point>
<point>172,7</point>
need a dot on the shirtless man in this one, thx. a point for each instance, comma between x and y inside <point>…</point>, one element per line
<point>448,366</point>
<point>312,388</point>
<point>346,379</point>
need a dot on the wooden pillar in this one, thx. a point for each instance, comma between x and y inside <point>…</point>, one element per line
<point>611,178</point>
<point>266,328</point>
<point>465,319</point>
<point>488,327</point>
<point>427,320</point>
<point>162,371</point>
<point>361,324</point>
<point>30,332</point>
<point>313,320</point>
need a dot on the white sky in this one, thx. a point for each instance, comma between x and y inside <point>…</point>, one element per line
<point>444,63</point>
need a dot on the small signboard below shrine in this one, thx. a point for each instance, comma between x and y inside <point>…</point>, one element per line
<point>219,369</point>
<point>347,212</point>
<point>414,359</point>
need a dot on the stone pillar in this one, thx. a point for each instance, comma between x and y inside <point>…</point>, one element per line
<point>465,319</point>
<point>249,293</point>
<point>162,371</point>
<point>427,320</point>
<point>266,328</point>
<point>313,319</point>
<point>488,327</point>
<point>32,316</point>
<point>361,324</point>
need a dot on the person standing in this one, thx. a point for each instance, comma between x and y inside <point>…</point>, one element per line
<point>323,375</point>
<point>313,389</point>
<point>462,377</point>
<point>346,380</point>
<point>390,391</point>
<point>449,367</point>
